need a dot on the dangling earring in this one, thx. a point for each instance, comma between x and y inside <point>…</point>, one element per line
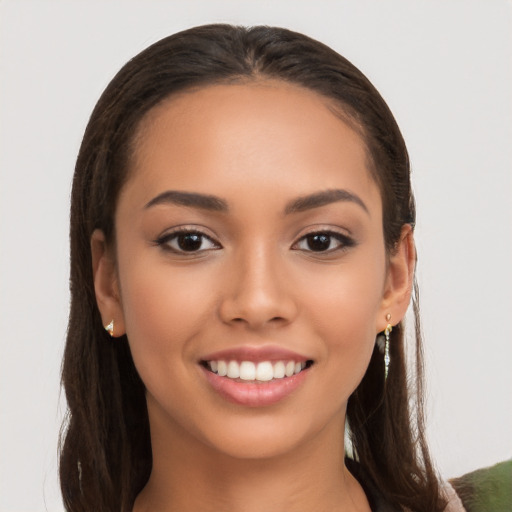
<point>383,344</point>
<point>110,328</point>
<point>387,357</point>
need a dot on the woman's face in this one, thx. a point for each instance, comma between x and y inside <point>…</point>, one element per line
<point>249,238</point>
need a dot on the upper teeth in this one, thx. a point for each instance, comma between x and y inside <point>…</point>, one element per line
<point>263,371</point>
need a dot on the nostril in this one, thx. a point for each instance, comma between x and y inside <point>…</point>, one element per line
<point>255,309</point>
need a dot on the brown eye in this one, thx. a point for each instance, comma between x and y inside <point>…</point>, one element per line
<point>324,241</point>
<point>187,242</point>
<point>320,242</point>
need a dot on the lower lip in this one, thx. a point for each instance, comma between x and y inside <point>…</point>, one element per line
<point>255,394</point>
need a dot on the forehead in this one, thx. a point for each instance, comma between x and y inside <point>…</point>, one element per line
<point>247,134</point>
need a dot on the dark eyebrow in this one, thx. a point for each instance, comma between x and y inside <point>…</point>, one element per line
<point>321,199</point>
<point>193,199</point>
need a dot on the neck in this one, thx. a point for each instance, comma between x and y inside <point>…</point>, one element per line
<point>190,476</point>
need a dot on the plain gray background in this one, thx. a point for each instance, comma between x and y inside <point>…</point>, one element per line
<point>445,68</point>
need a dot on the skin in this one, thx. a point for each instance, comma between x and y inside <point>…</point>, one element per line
<point>255,281</point>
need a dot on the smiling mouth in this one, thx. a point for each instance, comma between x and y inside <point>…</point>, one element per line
<point>263,371</point>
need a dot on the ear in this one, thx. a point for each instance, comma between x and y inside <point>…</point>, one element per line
<point>399,280</point>
<point>106,283</point>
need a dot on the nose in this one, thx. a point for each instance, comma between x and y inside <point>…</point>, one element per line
<point>257,292</point>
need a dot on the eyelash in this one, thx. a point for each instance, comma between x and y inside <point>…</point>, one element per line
<point>165,241</point>
<point>344,241</point>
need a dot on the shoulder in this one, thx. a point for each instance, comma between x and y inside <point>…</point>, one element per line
<point>483,490</point>
<point>487,489</point>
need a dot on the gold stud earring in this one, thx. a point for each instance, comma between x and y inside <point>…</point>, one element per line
<point>110,328</point>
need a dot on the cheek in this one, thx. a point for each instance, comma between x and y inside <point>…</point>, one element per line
<point>343,308</point>
<point>348,298</point>
<point>164,308</point>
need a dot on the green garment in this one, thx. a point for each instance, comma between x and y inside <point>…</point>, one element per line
<point>486,490</point>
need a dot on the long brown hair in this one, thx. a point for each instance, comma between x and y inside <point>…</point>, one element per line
<point>106,451</point>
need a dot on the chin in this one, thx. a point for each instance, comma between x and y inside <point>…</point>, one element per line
<point>264,437</point>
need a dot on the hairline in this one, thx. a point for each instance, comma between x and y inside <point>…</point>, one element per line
<point>339,109</point>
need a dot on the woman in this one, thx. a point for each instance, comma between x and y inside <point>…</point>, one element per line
<point>242,258</point>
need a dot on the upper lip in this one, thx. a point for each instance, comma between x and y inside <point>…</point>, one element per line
<point>256,354</point>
